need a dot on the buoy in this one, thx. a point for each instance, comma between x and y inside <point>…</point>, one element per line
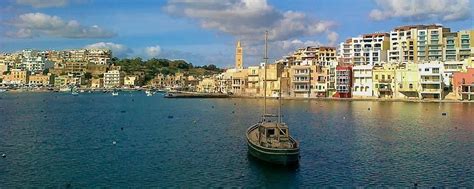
<point>170,117</point>
<point>123,111</point>
<point>121,128</point>
<point>212,106</point>
<point>194,121</point>
<point>114,142</point>
<point>4,155</point>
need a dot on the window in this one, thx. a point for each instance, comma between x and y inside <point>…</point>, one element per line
<point>411,86</point>
<point>376,77</point>
<point>427,69</point>
<point>270,132</point>
<point>282,132</point>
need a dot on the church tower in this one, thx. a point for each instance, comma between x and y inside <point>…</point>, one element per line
<point>239,57</point>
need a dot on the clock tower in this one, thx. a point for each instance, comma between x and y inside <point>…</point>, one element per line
<point>239,57</point>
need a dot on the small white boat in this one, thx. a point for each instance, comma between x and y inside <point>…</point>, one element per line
<point>149,93</point>
<point>74,93</point>
<point>3,90</point>
<point>115,93</point>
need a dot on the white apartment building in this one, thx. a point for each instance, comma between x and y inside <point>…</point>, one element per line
<point>112,79</point>
<point>431,80</point>
<point>368,49</point>
<point>362,81</point>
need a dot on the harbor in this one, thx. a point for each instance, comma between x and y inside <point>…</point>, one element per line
<point>342,143</point>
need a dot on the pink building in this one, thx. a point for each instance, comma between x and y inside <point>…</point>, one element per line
<point>464,84</point>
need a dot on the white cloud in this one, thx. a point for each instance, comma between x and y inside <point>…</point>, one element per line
<point>118,50</point>
<point>43,3</point>
<point>37,24</point>
<point>248,19</point>
<point>153,51</point>
<point>444,10</point>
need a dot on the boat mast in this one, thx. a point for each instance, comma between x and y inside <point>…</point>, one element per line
<point>265,78</point>
<point>279,98</point>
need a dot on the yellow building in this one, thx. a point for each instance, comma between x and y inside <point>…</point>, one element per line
<point>130,80</point>
<point>239,64</point>
<point>383,78</point>
<point>97,83</point>
<point>207,85</point>
<point>40,80</point>
<point>407,78</point>
<point>16,76</point>
<point>274,77</point>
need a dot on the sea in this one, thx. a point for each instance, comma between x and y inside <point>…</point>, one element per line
<point>97,140</point>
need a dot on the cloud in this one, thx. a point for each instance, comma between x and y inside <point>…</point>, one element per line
<point>153,51</point>
<point>248,19</point>
<point>118,50</point>
<point>417,10</point>
<point>31,25</point>
<point>43,3</point>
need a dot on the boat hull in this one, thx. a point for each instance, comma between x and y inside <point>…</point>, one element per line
<point>274,156</point>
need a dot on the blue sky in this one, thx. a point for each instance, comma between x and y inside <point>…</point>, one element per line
<point>205,31</point>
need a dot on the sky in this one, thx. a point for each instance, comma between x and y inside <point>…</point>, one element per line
<point>206,31</point>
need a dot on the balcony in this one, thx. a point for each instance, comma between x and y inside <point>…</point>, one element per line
<point>385,81</point>
<point>300,81</point>
<point>301,90</point>
<point>431,91</point>
<point>430,81</point>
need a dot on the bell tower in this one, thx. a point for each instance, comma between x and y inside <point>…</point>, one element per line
<point>239,56</point>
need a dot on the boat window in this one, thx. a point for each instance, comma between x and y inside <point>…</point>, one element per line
<point>282,132</point>
<point>270,132</point>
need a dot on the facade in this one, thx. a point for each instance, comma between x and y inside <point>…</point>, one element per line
<point>362,81</point>
<point>112,79</point>
<point>368,49</point>
<point>97,83</point>
<point>207,85</point>
<point>16,77</point>
<point>384,80</point>
<point>300,80</point>
<point>343,81</point>
<point>130,81</point>
<point>99,56</point>
<point>463,83</point>
<point>39,80</point>
<point>407,79</point>
<point>431,80</point>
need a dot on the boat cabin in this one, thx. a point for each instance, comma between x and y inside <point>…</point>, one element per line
<point>274,135</point>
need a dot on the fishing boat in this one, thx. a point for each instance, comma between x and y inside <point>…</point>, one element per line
<point>269,140</point>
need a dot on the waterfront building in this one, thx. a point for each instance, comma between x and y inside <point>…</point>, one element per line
<point>67,80</point>
<point>368,49</point>
<point>319,81</point>
<point>112,79</point>
<point>301,79</point>
<point>362,81</point>
<point>130,81</point>
<point>407,80</point>
<point>463,83</point>
<point>207,85</point>
<point>97,83</point>
<point>343,81</point>
<point>239,62</point>
<point>383,80</point>
<point>431,80</point>
<point>274,78</point>
<point>158,81</point>
<point>40,80</point>
<point>16,77</point>
<point>239,82</point>
<point>253,81</point>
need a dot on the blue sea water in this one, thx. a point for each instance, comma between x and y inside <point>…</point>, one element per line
<point>96,140</point>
